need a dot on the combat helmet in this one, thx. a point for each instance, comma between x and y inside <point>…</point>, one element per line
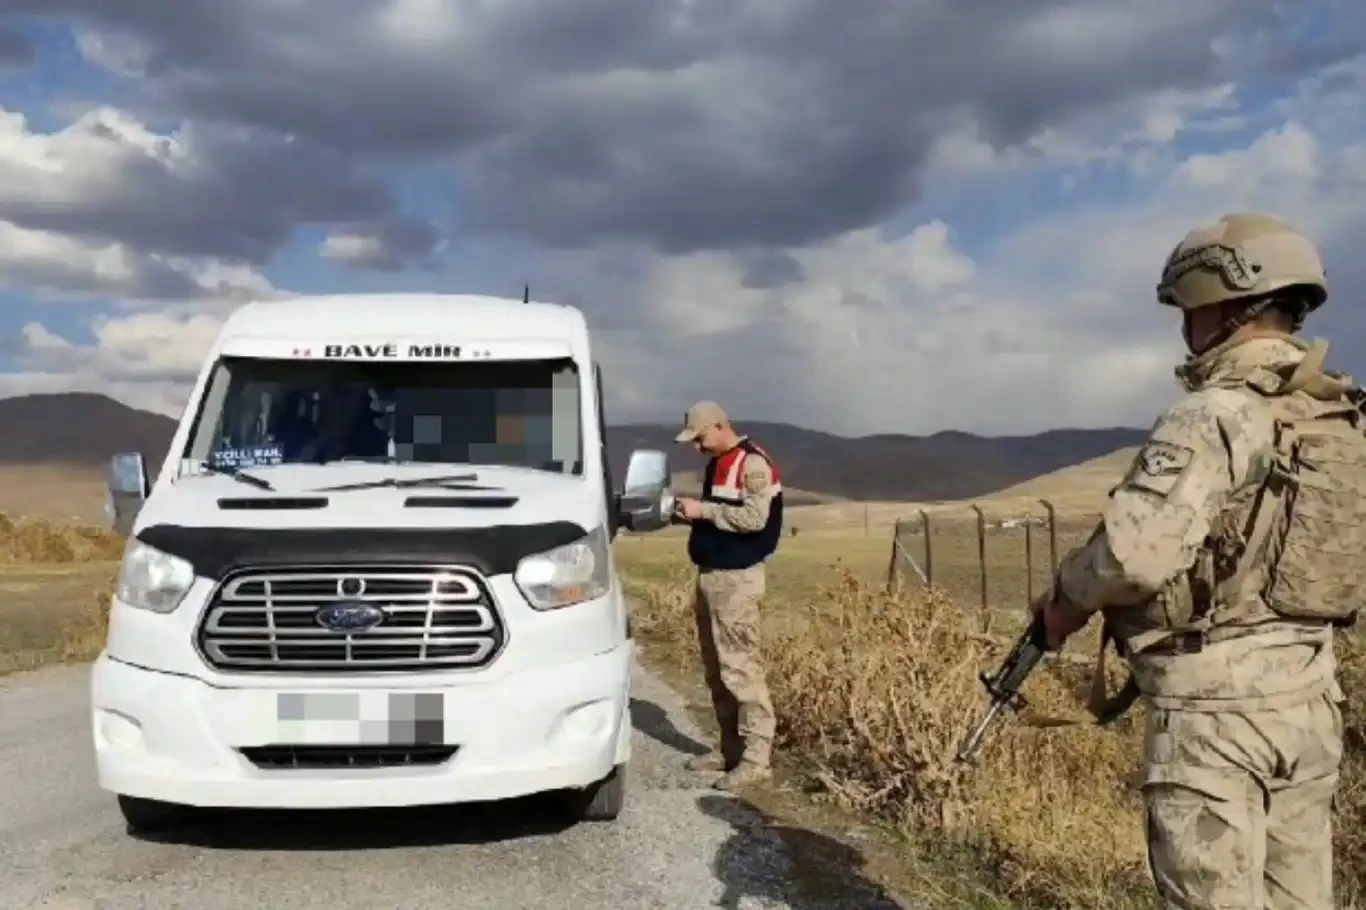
<point>1250,256</point>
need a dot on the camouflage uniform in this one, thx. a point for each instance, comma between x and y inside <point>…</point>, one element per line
<point>726,604</point>
<point>740,523</point>
<point>1244,730</point>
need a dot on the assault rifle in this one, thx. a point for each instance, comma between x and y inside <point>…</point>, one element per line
<point>1004,685</point>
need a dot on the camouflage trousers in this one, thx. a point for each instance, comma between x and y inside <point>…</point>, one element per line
<point>1239,806</point>
<point>726,606</point>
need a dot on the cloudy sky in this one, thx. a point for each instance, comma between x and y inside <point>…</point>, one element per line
<point>873,216</point>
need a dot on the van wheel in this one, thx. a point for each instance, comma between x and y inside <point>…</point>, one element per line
<point>151,816</point>
<point>599,802</point>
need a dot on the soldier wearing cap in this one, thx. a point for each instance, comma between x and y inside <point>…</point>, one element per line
<point>1225,556</point>
<point>736,526</point>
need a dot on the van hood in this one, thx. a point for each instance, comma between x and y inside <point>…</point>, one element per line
<point>316,516</point>
<point>350,495</point>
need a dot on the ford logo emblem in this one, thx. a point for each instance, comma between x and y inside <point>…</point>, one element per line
<point>349,616</point>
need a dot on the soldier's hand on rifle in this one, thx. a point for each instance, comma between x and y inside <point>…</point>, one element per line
<point>1059,625</point>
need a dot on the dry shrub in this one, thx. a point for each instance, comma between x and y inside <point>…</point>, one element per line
<point>882,705</point>
<point>1349,826</point>
<point>84,634</point>
<point>874,693</point>
<point>37,540</point>
<point>59,624</point>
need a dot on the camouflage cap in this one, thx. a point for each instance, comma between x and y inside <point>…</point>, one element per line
<point>1241,255</point>
<point>698,418</point>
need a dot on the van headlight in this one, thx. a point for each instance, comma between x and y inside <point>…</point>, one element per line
<point>152,580</point>
<point>566,575</point>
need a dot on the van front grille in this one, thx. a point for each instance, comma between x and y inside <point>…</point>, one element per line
<point>351,619</point>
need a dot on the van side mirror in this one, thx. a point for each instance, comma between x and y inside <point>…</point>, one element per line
<point>646,503</point>
<point>129,488</point>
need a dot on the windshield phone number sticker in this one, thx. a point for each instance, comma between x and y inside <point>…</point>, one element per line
<point>248,457</point>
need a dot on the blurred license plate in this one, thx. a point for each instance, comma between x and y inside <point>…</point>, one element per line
<point>360,718</point>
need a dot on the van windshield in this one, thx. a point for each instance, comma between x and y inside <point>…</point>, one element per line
<point>521,413</point>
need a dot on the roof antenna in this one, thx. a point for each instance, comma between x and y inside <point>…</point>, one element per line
<point>526,293</point>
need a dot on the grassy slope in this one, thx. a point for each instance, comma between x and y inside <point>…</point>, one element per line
<point>873,693</point>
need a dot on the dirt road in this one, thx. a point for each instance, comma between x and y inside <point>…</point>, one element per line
<point>678,846</point>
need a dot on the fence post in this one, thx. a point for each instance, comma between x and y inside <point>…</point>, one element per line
<point>929,547</point>
<point>867,529</point>
<point>891,560</point>
<point>1052,540</point>
<point>982,562</point>
<point>1029,560</point>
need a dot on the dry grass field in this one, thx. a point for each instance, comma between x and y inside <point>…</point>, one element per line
<point>1080,488</point>
<point>52,613</point>
<point>874,692</point>
<point>55,583</point>
<point>57,564</point>
<point>66,494</point>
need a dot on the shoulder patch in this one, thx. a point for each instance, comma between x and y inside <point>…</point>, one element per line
<point>758,475</point>
<point>1158,466</point>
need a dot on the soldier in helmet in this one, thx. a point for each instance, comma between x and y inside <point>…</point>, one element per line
<point>1223,561</point>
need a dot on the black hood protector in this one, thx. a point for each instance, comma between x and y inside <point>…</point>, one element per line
<point>216,552</point>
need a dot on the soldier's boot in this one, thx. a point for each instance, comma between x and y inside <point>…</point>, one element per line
<point>744,774</point>
<point>711,761</point>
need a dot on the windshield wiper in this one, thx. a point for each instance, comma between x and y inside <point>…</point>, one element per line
<point>240,476</point>
<point>448,482</point>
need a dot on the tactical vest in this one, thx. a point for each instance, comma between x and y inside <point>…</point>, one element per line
<point>723,482</point>
<point>1292,545</point>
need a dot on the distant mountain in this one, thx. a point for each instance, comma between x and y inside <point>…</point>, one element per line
<point>85,429</point>
<point>946,465</point>
<point>79,428</point>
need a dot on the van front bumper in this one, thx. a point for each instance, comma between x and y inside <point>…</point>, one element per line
<point>182,740</point>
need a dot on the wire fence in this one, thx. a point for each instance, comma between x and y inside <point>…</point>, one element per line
<point>997,562</point>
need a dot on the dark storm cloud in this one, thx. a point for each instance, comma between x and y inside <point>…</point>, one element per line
<point>16,51</point>
<point>691,125</point>
<point>212,192</point>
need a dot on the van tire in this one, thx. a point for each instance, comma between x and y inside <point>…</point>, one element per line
<point>598,802</point>
<point>152,816</point>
